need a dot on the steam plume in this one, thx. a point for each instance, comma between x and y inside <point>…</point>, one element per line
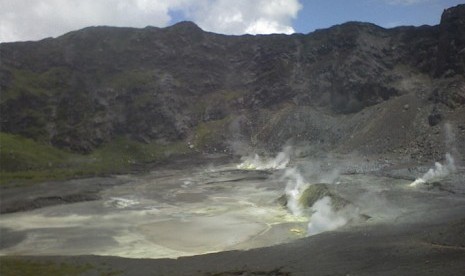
<point>294,188</point>
<point>258,163</point>
<point>324,218</point>
<point>438,172</point>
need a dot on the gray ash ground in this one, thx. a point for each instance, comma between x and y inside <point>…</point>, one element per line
<point>166,213</point>
<point>200,209</point>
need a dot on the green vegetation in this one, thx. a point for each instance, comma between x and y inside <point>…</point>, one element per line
<point>23,160</point>
<point>211,133</point>
<point>16,266</point>
<point>19,266</point>
<point>39,84</point>
<point>133,79</point>
<point>318,191</point>
<point>19,154</point>
<point>121,153</point>
<point>313,193</point>
<point>30,92</point>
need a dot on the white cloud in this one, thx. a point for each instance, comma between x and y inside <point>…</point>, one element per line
<point>247,16</point>
<point>264,26</point>
<point>36,19</point>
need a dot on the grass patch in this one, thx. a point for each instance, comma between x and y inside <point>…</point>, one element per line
<point>40,84</point>
<point>15,266</point>
<point>19,154</point>
<point>211,134</point>
<point>25,161</point>
<point>318,191</point>
<point>10,265</point>
<point>122,153</point>
<point>133,79</point>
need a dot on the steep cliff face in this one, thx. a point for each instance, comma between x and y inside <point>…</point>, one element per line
<point>451,51</point>
<point>346,87</point>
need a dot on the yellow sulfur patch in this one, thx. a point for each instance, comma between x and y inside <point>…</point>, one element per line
<point>297,231</point>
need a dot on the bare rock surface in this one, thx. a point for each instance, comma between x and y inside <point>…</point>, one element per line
<point>342,88</point>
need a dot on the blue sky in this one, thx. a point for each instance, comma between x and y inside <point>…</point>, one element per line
<point>322,14</point>
<point>37,19</point>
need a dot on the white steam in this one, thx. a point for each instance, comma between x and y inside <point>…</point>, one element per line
<point>322,215</point>
<point>298,179</point>
<point>294,188</point>
<point>258,163</point>
<point>325,218</point>
<point>438,172</point>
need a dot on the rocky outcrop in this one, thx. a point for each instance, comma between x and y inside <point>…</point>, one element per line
<point>451,46</point>
<point>331,88</point>
<point>316,192</point>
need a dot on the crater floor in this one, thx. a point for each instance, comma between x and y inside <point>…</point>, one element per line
<point>170,213</point>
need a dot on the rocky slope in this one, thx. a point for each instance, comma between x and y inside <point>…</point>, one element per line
<point>352,87</point>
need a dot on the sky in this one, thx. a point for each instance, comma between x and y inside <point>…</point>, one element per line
<point>22,20</point>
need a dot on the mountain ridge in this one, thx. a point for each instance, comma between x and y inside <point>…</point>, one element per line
<point>88,87</point>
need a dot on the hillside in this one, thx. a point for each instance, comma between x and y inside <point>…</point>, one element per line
<point>352,87</point>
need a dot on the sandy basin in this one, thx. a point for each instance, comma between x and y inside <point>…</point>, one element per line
<point>170,213</point>
<point>166,213</point>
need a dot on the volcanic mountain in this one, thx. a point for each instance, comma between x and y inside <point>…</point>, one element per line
<point>351,87</point>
